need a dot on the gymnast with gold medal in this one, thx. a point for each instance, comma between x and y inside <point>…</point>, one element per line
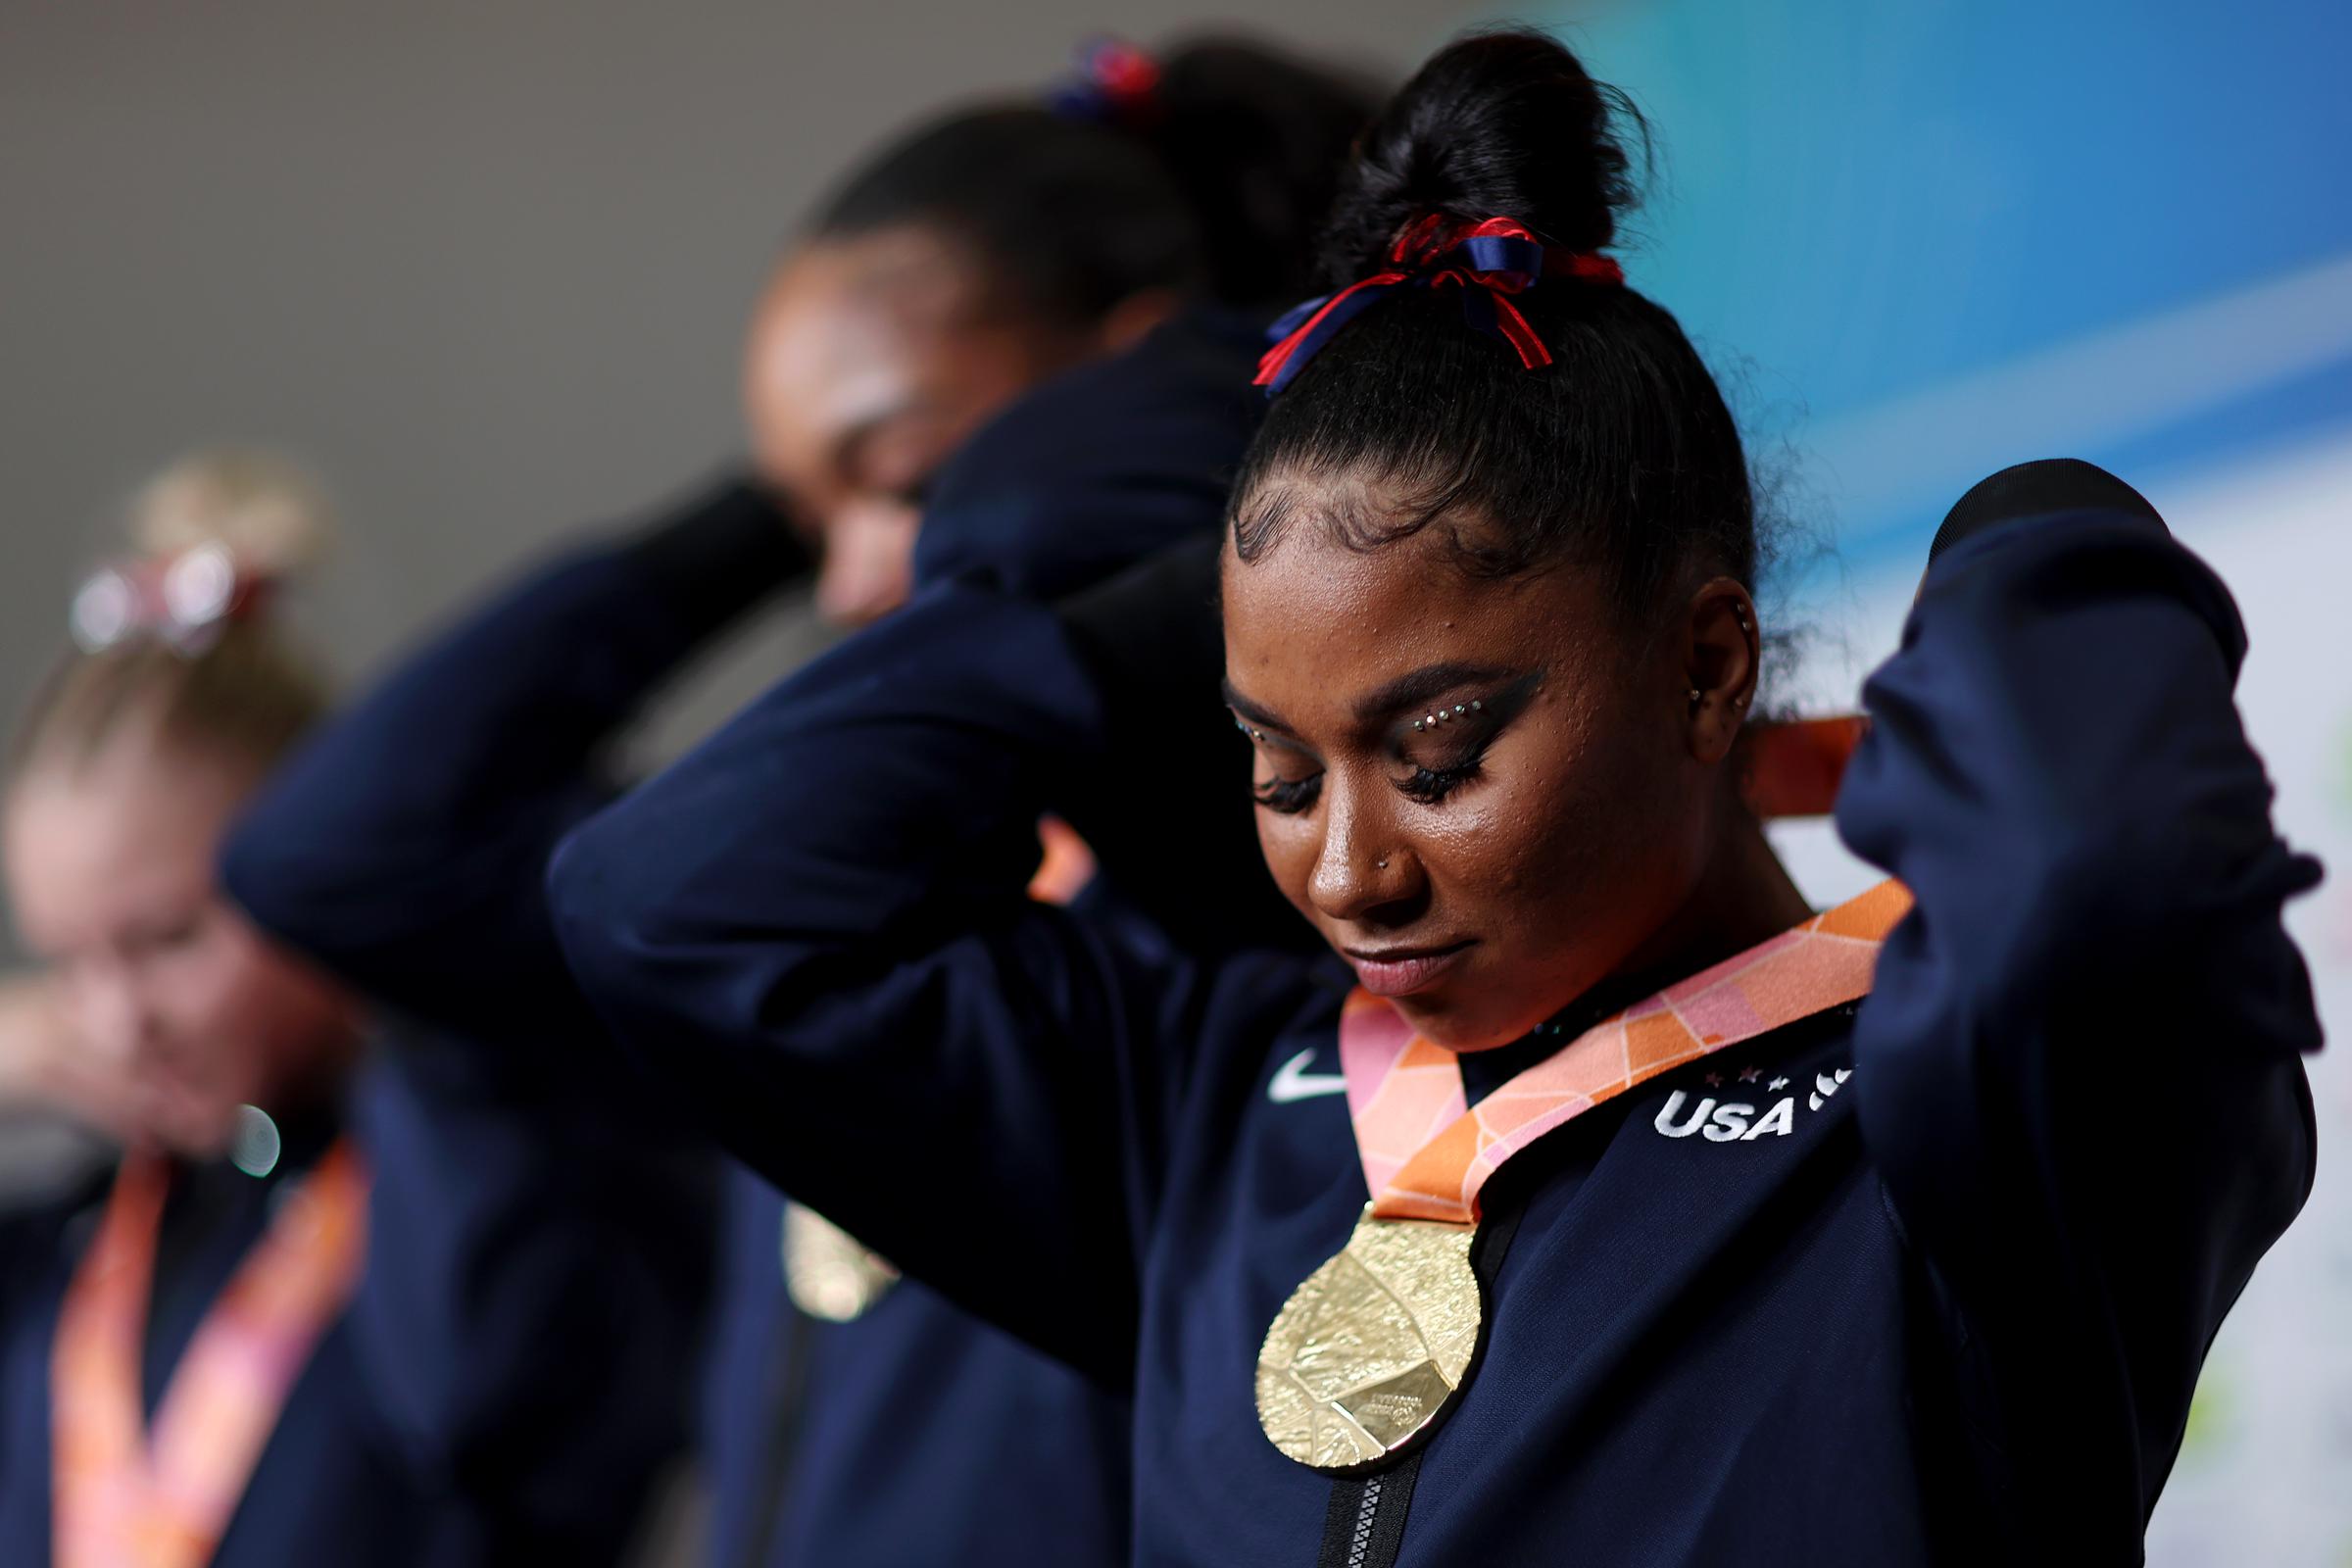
<point>1595,1200</point>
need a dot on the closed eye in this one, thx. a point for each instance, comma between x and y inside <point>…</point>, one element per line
<point>1289,796</point>
<point>1433,784</point>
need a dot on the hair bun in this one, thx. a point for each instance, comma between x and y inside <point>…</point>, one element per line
<point>214,533</point>
<point>1257,139</point>
<point>267,510</point>
<point>1498,124</point>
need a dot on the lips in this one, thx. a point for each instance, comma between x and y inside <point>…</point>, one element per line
<point>1402,971</point>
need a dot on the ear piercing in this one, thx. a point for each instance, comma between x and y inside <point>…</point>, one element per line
<point>1432,719</point>
<point>1739,614</point>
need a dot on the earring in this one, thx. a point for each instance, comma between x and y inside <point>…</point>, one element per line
<point>1695,694</point>
<point>1383,864</point>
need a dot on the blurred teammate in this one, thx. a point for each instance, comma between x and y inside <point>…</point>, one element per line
<point>1128,238</point>
<point>357,1292</point>
<point>988,249</point>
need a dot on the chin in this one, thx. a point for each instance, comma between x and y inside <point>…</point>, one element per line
<point>195,1131</point>
<point>1458,1025</point>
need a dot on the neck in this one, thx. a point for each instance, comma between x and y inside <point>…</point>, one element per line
<point>1743,897</point>
<point>311,1089</point>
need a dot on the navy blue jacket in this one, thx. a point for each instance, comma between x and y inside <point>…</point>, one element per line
<point>1758,1311</point>
<point>501,1388</point>
<point>1102,466</point>
<point>1100,469</point>
<point>406,847</point>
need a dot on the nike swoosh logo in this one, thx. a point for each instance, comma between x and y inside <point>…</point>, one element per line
<point>1292,1081</point>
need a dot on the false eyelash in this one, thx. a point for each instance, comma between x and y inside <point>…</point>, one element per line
<point>1431,785</point>
<point>1287,796</point>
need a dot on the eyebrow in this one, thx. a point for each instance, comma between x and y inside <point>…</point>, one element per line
<point>1264,717</point>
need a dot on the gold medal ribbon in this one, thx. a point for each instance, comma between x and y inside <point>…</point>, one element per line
<point>1374,1344</point>
<point>126,1497</point>
<point>1426,1154</point>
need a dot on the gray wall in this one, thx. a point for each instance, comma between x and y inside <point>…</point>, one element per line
<point>484,265</point>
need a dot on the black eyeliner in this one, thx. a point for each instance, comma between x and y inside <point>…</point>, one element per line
<point>1484,716</point>
<point>1493,715</point>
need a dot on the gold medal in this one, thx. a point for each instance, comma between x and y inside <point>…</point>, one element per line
<point>829,1273</point>
<point>1365,1354</point>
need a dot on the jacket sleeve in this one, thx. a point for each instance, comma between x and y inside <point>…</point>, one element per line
<point>538,1250</point>
<point>2079,1070</point>
<point>1103,467</point>
<point>815,925</point>
<point>528,1322</point>
<point>404,845</point>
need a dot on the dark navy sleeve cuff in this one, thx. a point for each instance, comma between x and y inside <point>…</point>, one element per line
<point>723,554</point>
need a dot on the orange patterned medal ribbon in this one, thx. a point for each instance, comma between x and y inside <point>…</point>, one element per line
<point>1426,1153</point>
<point>126,1497</point>
<point>1373,1349</point>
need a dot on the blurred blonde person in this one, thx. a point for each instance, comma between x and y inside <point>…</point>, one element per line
<point>279,1330</point>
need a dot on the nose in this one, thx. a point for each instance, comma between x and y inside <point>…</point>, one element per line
<point>1362,874</point>
<point>868,561</point>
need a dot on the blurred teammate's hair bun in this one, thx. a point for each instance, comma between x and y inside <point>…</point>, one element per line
<point>1500,125</point>
<point>1258,141</point>
<point>177,644</point>
<point>264,508</point>
<point>1207,172</point>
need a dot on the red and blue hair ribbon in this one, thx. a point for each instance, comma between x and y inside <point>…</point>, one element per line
<point>1489,262</point>
<point>1115,83</point>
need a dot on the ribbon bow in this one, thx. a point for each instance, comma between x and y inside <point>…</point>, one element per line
<point>183,601</point>
<point>1490,261</point>
<point>1114,82</point>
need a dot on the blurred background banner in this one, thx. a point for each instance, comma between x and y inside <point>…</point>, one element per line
<point>487,268</point>
<point>1955,236</point>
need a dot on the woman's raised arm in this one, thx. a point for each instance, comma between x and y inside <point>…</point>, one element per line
<point>404,844</point>
<point>2079,1070</point>
<point>816,925</point>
